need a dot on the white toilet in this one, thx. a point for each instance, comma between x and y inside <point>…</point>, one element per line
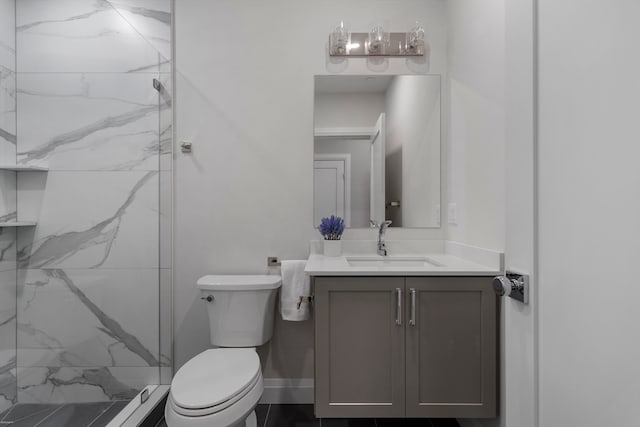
<point>221,387</point>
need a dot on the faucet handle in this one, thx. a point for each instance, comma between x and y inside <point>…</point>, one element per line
<point>373,224</point>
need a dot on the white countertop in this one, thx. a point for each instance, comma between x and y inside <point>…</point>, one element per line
<point>447,265</point>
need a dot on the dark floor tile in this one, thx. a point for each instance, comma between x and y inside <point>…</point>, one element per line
<point>261,414</point>
<point>5,412</point>
<point>109,413</point>
<point>403,422</point>
<point>292,416</point>
<point>74,415</point>
<point>444,422</point>
<point>29,414</point>
<point>22,410</point>
<point>32,420</point>
<point>353,422</point>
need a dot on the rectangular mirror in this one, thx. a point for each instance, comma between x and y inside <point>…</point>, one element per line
<point>377,149</point>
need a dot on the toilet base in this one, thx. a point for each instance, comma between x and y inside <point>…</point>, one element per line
<point>240,414</point>
<point>252,420</point>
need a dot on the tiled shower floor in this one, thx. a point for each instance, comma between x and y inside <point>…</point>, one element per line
<point>302,416</point>
<point>61,415</point>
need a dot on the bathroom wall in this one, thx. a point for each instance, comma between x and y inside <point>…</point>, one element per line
<point>244,75</point>
<point>7,205</point>
<point>413,122</point>
<point>92,273</point>
<point>351,110</point>
<point>475,117</point>
<point>475,121</point>
<point>589,213</point>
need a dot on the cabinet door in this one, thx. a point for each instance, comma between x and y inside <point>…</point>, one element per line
<point>359,347</point>
<point>451,348</point>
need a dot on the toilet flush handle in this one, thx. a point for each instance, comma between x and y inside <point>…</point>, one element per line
<point>209,298</point>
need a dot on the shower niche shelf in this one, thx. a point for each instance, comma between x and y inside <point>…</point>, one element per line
<point>18,224</point>
<point>17,169</point>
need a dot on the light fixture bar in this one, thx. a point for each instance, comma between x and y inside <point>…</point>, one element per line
<point>358,46</point>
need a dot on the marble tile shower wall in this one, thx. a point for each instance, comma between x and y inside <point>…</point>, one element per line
<point>8,392</point>
<point>90,295</point>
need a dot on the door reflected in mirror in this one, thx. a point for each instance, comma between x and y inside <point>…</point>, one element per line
<point>377,149</point>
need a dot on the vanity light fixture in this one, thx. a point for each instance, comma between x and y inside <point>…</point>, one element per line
<point>415,40</point>
<point>339,40</point>
<point>376,42</point>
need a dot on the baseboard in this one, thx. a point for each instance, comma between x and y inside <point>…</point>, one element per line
<point>288,390</point>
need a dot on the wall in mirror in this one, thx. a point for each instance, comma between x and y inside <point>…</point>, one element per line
<point>377,149</point>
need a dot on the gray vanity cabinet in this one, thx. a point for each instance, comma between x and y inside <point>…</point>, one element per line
<point>451,347</point>
<point>405,347</point>
<point>360,349</point>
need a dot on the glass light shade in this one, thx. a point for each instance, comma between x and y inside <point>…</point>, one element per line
<point>415,40</point>
<point>339,40</point>
<point>378,40</point>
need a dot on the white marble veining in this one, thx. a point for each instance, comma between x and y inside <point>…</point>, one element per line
<point>8,204</point>
<point>166,121</point>
<point>166,326</point>
<point>100,329</point>
<point>87,110</point>
<point>95,121</point>
<point>7,317</point>
<point>150,18</point>
<point>7,34</point>
<point>79,35</point>
<point>8,391</point>
<point>7,338</point>
<point>85,384</point>
<point>90,220</point>
<point>8,254</point>
<point>7,116</point>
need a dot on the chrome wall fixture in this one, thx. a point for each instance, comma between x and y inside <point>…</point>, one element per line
<point>376,42</point>
<point>514,285</point>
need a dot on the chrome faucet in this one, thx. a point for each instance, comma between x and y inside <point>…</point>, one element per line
<point>382,228</point>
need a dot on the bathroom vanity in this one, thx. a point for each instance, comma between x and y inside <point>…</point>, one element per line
<point>411,336</point>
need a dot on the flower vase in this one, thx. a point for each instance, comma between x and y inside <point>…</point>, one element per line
<point>332,248</point>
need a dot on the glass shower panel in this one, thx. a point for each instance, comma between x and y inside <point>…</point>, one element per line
<point>8,385</point>
<point>165,132</point>
<point>89,318</point>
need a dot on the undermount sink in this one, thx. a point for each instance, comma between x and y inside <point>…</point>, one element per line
<point>391,261</point>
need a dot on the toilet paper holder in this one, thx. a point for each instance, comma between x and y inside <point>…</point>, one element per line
<point>514,285</point>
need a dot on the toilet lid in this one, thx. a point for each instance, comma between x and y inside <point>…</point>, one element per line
<point>215,376</point>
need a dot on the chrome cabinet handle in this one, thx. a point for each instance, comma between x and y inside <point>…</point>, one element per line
<point>398,306</point>
<point>412,318</point>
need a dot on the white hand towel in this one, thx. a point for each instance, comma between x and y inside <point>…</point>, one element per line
<point>295,283</point>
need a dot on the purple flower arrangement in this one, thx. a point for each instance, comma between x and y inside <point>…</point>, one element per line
<point>331,228</point>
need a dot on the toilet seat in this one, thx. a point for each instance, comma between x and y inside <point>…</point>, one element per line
<point>214,380</point>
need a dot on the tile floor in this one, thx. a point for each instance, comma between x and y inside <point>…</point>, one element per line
<point>55,415</point>
<point>302,416</point>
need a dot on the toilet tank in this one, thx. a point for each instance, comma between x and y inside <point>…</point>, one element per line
<point>241,308</point>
